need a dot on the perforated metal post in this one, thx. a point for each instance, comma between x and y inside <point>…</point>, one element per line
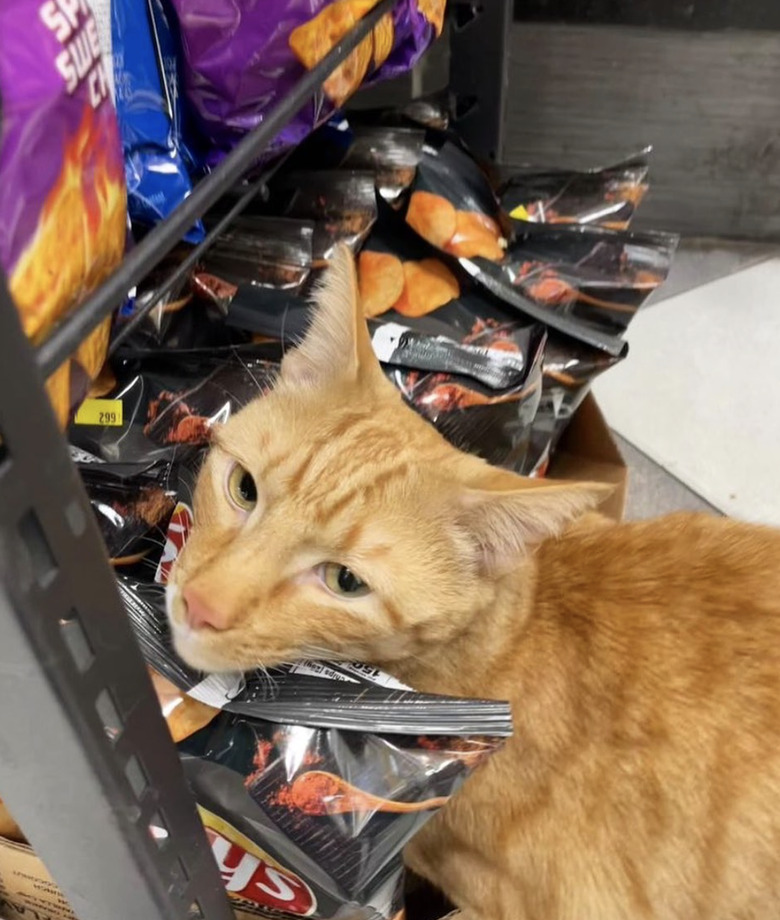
<point>86,762</point>
<point>479,71</point>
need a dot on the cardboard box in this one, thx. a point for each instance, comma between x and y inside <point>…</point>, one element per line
<point>587,452</point>
<point>27,891</point>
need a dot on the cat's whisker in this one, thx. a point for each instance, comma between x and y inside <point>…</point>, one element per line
<point>245,364</point>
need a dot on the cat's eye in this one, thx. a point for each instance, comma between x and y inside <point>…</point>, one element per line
<point>241,488</point>
<point>343,581</point>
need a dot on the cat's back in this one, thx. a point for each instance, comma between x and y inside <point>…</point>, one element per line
<point>644,776</point>
<point>696,566</point>
<point>667,639</point>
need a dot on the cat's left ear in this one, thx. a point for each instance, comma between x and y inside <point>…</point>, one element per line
<point>509,514</point>
<point>337,343</point>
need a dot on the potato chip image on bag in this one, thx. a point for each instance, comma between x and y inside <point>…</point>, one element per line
<point>311,42</point>
<point>381,279</point>
<point>62,184</point>
<point>428,285</point>
<point>433,217</point>
<point>433,10</point>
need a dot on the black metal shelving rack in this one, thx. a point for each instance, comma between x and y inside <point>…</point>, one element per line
<point>86,762</point>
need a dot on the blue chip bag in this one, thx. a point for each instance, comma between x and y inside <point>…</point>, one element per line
<point>158,163</point>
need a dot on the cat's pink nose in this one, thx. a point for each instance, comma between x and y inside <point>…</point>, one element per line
<point>198,614</point>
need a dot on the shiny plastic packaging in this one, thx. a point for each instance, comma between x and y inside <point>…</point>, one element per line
<point>310,780</point>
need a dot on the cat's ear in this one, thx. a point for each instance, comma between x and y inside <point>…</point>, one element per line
<point>337,343</point>
<point>505,515</point>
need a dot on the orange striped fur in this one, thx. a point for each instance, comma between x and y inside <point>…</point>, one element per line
<point>642,660</point>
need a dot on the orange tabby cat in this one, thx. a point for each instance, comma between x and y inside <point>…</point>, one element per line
<point>642,660</point>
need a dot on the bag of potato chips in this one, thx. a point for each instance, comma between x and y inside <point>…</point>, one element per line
<point>242,57</point>
<point>62,186</point>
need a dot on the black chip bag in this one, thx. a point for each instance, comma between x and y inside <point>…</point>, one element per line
<point>340,204</point>
<point>311,780</point>
<point>132,503</point>
<point>493,422</point>
<point>406,285</point>
<point>606,197</point>
<point>452,205</point>
<point>392,154</point>
<point>568,372</point>
<point>170,400</point>
<point>273,252</point>
<point>599,278</point>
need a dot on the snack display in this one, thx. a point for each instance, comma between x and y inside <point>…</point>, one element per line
<point>311,780</point>
<point>240,58</point>
<point>62,186</point>
<point>491,304</point>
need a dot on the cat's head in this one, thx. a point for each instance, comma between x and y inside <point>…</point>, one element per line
<point>332,521</point>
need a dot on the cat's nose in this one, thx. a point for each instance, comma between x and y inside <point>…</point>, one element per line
<point>198,614</point>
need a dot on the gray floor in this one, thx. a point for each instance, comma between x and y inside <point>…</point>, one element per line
<point>652,490</point>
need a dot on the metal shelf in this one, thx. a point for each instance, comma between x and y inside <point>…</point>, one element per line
<point>86,762</point>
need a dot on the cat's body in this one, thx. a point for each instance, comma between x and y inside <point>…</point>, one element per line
<point>643,779</point>
<point>642,660</point>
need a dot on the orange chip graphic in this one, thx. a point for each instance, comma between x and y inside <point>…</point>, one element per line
<point>433,217</point>
<point>80,238</point>
<point>433,10</point>
<point>429,285</point>
<point>475,235</point>
<point>381,280</point>
<point>311,41</point>
<point>384,34</point>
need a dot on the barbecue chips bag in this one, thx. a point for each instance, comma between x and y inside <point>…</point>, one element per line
<point>62,186</point>
<point>170,399</point>
<point>242,57</point>
<point>132,503</point>
<point>311,780</point>
<point>605,197</point>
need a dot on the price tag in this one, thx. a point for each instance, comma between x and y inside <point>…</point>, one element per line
<point>520,213</point>
<point>100,412</point>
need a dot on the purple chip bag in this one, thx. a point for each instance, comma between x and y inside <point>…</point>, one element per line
<point>62,189</point>
<point>243,56</point>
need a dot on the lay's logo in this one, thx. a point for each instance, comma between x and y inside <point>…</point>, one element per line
<point>250,873</point>
<point>178,531</point>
